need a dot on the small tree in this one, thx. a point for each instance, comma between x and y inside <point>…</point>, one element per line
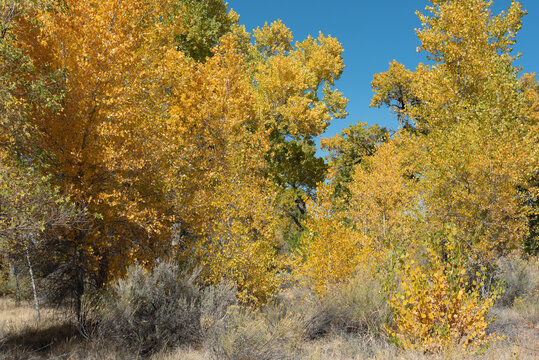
<point>330,250</point>
<point>438,304</point>
<point>29,206</point>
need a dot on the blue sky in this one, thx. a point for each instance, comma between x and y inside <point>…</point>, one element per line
<point>373,33</point>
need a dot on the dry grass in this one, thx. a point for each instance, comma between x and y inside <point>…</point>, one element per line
<point>21,336</point>
<point>56,338</point>
<point>183,354</point>
<point>13,316</point>
<point>16,319</point>
<point>346,347</point>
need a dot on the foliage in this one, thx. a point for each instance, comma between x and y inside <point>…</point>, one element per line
<point>244,334</point>
<point>470,130</point>
<point>212,169</point>
<point>349,149</point>
<point>240,244</point>
<point>295,100</point>
<point>155,309</point>
<point>331,250</point>
<point>92,60</point>
<point>18,75</point>
<point>146,156</point>
<point>29,203</point>
<point>435,306</point>
<point>382,197</point>
<point>35,218</point>
<point>197,26</point>
<point>483,202</point>
<point>290,80</point>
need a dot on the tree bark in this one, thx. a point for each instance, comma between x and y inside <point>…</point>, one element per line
<point>33,282</point>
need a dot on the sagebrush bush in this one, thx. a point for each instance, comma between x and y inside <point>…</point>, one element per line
<point>356,306</point>
<point>215,306</point>
<point>150,310</point>
<point>247,334</point>
<point>520,278</point>
<point>236,332</point>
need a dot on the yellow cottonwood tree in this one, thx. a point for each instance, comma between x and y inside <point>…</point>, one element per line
<point>474,146</point>
<point>172,129</point>
<point>104,140</point>
<point>381,195</point>
<point>93,157</point>
<point>295,101</point>
<point>530,87</point>
<point>331,249</point>
<point>349,149</point>
<point>212,162</point>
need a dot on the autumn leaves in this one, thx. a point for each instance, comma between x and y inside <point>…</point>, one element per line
<point>179,135</point>
<point>155,131</point>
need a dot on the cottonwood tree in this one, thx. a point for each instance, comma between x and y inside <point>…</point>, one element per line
<point>296,99</point>
<point>466,118</point>
<point>153,114</point>
<point>350,148</point>
<point>30,207</point>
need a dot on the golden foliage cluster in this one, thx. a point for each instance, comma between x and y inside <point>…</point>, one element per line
<point>331,250</point>
<point>436,306</point>
<point>188,140</point>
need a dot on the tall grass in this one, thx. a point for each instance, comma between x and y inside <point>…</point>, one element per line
<point>165,315</point>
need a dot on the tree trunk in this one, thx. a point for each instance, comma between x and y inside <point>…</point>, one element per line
<point>384,224</point>
<point>18,285</point>
<point>79,286</point>
<point>33,282</point>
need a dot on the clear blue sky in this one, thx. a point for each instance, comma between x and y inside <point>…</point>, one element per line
<point>373,33</point>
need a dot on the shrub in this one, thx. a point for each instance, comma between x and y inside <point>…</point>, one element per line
<point>528,307</point>
<point>153,309</point>
<point>520,277</point>
<point>215,306</point>
<point>247,334</point>
<point>435,307</point>
<point>233,331</point>
<point>302,305</point>
<point>356,306</point>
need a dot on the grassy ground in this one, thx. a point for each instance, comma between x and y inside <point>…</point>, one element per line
<point>521,342</point>
<point>55,337</point>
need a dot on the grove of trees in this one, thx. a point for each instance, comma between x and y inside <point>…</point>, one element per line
<point>136,132</point>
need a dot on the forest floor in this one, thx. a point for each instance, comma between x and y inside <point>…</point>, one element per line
<point>56,337</point>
